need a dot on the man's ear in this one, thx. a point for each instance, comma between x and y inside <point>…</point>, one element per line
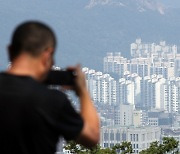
<point>47,56</point>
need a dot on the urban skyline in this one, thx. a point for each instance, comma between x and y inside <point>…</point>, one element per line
<point>138,95</point>
<point>131,50</point>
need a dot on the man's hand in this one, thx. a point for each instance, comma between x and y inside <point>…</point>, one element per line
<point>90,133</point>
<point>80,80</point>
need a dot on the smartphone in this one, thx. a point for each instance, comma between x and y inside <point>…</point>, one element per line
<point>60,77</point>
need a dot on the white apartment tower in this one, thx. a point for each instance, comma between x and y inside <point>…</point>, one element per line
<point>115,63</point>
<point>153,92</point>
<point>125,92</point>
<point>137,86</point>
<point>139,49</point>
<point>172,95</point>
<point>102,87</point>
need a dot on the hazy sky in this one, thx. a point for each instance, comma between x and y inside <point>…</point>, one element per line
<point>83,35</point>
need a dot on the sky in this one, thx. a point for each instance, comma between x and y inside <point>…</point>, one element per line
<point>84,35</point>
<point>14,12</point>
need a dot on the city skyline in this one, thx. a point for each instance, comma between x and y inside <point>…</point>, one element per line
<point>130,54</point>
<point>138,96</point>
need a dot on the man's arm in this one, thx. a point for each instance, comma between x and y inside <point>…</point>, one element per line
<point>89,135</point>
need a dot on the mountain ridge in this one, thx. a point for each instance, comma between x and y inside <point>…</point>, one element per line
<point>85,35</point>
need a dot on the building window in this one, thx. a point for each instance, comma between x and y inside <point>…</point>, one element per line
<point>134,137</point>
<point>106,136</point>
<point>137,137</point>
<point>131,137</point>
<point>123,137</point>
<point>111,145</point>
<point>111,136</point>
<point>156,135</point>
<point>118,136</point>
<point>134,146</point>
<point>137,146</point>
<point>106,145</point>
<point>143,145</point>
<point>143,137</point>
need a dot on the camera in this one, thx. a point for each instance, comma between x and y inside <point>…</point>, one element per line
<point>60,77</point>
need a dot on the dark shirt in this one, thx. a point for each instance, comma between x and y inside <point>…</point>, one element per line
<point>33,117</point>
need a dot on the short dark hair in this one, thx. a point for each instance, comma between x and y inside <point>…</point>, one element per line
<point>31,37</point>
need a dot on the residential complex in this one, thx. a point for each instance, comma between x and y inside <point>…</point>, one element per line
<point>139,98</point>
<point>150,92</point>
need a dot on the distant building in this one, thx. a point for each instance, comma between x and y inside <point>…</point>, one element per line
<point>166,69</point>
<point>160,118</point>
<point>153,92</point>
<point>124,115</point>
<point>176,123</point>
<point>137,118</point>
<point>139,49</point>
<point>177,65</point>
<point>137,86</point>
<point>102,87</point>
<point>140,137</point>
<point>148,59</point>
<point>172,95</point>
<point>140,66</point>
<point>115,63</point>
<point>149,92</point>
<point>125,92</point>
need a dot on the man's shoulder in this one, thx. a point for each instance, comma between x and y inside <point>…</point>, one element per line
<point>56,94</point>
<point>49,93</point>
<point>27,86</point>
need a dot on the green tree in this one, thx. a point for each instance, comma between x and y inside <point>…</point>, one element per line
<point>79,149</point>
<point>169,145</point>
<point>123,148</point>
<point>73,147</point>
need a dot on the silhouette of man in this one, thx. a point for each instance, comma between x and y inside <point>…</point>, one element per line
<point>33,117</point>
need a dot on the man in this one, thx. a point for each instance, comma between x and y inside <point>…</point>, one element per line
<point>32,117</point>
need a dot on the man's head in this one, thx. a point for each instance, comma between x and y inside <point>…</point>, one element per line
<point>34,39</point>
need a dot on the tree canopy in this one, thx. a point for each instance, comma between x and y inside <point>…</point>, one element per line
<point>168,145</point>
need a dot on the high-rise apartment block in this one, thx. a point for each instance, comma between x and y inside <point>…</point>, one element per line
<point>139,49</point>
<point>148,59</point>
<point>125,92</point>
<point>150,92</point>
<point>150,79</point>
<point>159,93</point>
<point>102,87</point>
<point>115,63</point>
<point>172,95</point>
